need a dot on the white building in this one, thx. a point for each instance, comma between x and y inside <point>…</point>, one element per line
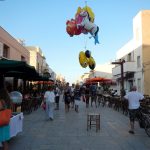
<point>136,54</point>
<point>101,70</point>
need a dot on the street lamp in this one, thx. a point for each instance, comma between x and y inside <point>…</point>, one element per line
<point>121,62</point>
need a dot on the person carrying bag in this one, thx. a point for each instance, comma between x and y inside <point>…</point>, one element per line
<point>5,115</point>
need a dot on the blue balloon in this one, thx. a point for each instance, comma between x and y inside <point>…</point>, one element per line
<point>16,97</point>
<point>87,53</point>
<point>96,39</point>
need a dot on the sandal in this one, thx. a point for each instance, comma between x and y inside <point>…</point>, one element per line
<point>130,131</point>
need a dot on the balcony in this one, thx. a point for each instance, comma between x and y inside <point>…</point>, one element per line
<point>127,67</point>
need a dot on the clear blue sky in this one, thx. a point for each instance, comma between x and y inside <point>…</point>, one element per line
<point>43,23</point>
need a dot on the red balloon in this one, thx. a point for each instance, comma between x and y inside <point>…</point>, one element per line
<point>72,28</point>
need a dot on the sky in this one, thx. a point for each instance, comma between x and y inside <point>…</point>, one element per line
<point>43,23</point>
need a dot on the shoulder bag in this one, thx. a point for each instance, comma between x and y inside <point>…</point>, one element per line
<point>5,115</point>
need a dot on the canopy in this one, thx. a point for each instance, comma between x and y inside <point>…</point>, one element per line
<point>45,82</point>
<point>19,69</point>
<point>99,79</point>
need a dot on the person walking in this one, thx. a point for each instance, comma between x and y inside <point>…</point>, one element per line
<point>72,95</point>
<point>77,97</point>
<point>49,98</point>
<point>93,89</point>
<point>99,93</point>
<point>57,97</point>
<point>5,103</point>
<point>87,95</point>
<point>67,97</point>
<point>133,98</point>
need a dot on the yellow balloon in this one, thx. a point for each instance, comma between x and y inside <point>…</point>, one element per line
<point>92,63</point>
<point>83,59</point>
<point>90,12</point>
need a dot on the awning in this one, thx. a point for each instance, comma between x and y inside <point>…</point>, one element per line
<point>19,69</point>
<point>45,82</point>
<point>99,79</point>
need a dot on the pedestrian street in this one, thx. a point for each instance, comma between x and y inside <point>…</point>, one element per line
<point>68,131</point>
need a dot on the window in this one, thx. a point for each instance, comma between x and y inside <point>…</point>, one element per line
<point>129,57</point>
<point>138,62</point>
<point>1,49</point>
<point>6,51</point>
<point>23,58</point>
<point>139,85</point>
<point>38,67</point>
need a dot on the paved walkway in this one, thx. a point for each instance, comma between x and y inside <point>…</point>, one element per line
<point>68,132</point>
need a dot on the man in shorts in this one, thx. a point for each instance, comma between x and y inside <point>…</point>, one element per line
<point>133,98</point>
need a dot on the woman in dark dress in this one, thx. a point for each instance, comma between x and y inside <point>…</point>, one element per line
<point>87,96</point>
<point>67,97</point>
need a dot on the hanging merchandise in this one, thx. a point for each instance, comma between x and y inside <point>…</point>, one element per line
<point>86,59</point>
<point>87,53</point>
<point>83,23</point>
<point>83,59</point>
<point>92,63</point>
<point>72,28</point>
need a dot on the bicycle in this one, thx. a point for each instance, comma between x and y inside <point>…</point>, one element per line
<point>144,120</point>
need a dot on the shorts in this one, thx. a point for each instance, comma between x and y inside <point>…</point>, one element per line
<point>77,102</point>
<point>57,99</point>
<point>133,113</point>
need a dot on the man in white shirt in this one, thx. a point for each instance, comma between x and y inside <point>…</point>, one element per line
<point>49,97</point>
<point>133,98</point>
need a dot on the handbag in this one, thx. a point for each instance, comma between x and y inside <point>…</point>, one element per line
<point>5,116</point>
<point>43,105</point>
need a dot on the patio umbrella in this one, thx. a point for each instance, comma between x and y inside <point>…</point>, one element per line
<point>45,82</point>
<point>98,79</point>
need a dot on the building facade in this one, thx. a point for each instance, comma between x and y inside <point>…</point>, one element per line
<point>10,48</point>
<point>104,71</point>
<point>15,49</point>
<point>136,54</point>
<point>38,60</point>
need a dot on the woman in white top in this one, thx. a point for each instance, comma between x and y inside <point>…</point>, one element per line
<point>49,97</point>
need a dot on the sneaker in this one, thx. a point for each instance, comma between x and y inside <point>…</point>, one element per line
<point>51,119</point>
<point>131,132</point>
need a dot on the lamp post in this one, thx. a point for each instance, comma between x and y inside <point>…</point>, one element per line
<point>121,62</point>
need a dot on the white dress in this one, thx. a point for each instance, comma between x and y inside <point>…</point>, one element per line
<point>50,99</point>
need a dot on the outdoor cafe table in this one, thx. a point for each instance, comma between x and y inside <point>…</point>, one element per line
<point>106,95</point>
<point>16,124</point>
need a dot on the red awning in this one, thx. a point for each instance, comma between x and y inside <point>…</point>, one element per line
<point>45,82</point>
<point>99,79</point>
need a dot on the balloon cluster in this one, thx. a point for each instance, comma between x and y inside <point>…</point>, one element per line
<point>86,59</point>
<point>83,23</point>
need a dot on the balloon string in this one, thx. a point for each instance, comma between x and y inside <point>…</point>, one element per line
<point>85,3</point>
<point>85,41</point>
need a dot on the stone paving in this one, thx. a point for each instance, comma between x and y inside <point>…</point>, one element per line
<point>68,132</point>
